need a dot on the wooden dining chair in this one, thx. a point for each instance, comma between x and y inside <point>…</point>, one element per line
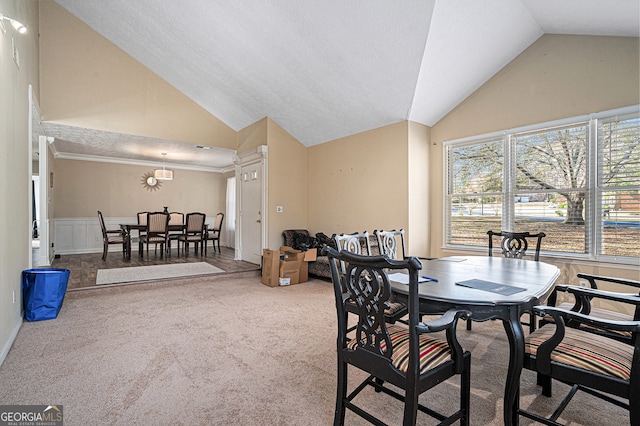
<point>391,243</point>
<point>176,221</point>
<point>515,245</point>
<point>113,236</point>
<point>193,232</point>
<point>621,300</point>
<point>359,243</point>
<point>213,234</point>
<point>573,350</point>
<point>157,231</point>
<point>408,356</point>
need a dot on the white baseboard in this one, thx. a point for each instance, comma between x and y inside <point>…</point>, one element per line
<point>7,345</point>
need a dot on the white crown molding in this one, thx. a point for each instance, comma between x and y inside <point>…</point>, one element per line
<point>100,159</point>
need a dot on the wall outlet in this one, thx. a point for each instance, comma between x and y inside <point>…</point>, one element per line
<point>583,283</point>
<point>279,209</point>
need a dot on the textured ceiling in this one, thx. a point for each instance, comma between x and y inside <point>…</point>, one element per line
<point>328,69</point>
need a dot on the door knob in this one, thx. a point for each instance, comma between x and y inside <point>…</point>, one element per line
<point>259,221</point>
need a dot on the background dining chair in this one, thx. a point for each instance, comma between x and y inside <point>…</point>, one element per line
<point>358,243</point>
<point>112,237</point>
<point>614,300</point>
<point>407,357</point>
<point>176,224</point>
<point>157,231</point>
<point>515,245</point>
<point>214,233</point>
<point>587,361</point>
<point>193,232</point>
<point>391,243</point>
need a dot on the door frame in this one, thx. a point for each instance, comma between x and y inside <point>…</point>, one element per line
<point>44,229</point>
<point>258,155</point>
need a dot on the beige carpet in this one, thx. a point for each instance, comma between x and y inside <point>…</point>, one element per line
<point>154,272</point>
<point>227,350</point>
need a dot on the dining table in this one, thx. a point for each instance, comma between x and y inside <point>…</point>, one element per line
<point>490,288</point>
<point>141,228</point>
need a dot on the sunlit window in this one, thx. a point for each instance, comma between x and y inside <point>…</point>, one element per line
<point>577,181</point>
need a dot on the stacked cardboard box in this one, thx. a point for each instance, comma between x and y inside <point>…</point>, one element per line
<point>286,266</point>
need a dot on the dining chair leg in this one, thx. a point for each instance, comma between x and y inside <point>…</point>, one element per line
<point>341,394</point>
<point>465,390</point>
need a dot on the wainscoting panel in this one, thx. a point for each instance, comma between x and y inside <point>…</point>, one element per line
<point>83,234</point>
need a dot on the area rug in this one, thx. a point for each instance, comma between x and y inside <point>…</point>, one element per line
<point>154,272</point>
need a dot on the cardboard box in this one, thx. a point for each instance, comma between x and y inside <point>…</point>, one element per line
<point>286,266</point>
<point>311,255</point>
<point>270,267</point>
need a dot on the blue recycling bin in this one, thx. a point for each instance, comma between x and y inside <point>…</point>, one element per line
<point>43,291</point>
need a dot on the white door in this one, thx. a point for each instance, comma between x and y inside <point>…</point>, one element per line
<point>251,212</point>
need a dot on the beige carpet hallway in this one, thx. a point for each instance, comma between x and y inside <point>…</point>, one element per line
<point>223,350</point>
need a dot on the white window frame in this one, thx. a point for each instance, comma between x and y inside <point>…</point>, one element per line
<point>594,192</point>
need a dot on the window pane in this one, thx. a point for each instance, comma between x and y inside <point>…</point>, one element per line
<point>555,159</point>
<point>476,168</point>
<point>619,145</point>
<point>547,212</point>
<point>618,183</point>
<point>472,217</point>
<point>621,223</point>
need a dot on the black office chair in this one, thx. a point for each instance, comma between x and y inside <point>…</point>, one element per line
<point>405,356</point>
<point>588,361</point>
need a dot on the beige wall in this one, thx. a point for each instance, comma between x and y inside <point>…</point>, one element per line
<point>15,178</point>
<point>359,183</point>
<point>89,82</point>
<point>83,187</point>
<point>252,136</point>
<point>418,184</point>
<point>287,184</point>
<point>557,77</point>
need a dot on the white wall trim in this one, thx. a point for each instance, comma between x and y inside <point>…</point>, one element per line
<point>99,159</point>
<point>10,340</point>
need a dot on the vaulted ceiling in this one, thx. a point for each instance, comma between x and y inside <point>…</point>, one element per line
<point>328,69</point>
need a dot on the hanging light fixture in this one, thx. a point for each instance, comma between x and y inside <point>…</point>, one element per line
<point>16,24</point>
<point>164,173</point>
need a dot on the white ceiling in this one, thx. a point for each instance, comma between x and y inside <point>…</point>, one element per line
<point>328,69</point>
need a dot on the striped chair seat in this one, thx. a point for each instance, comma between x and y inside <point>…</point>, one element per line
<point>600,313</point>
<point>586,351</point>
<point>393,308</point>
<point>433,352</point>
<point>116,239</point>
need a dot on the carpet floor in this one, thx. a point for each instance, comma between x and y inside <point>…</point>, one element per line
<point>225,349</point>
